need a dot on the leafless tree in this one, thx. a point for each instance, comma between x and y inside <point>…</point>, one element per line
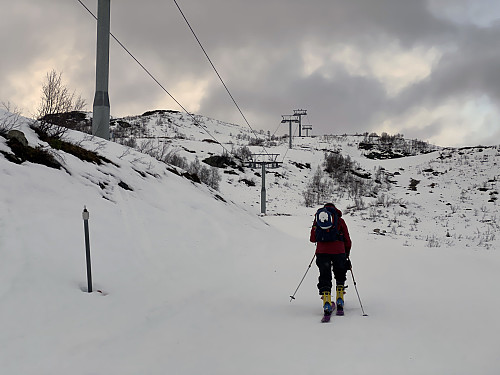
<point>56,99</point>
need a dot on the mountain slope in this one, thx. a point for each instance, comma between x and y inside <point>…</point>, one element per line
<point>189,283</point>
<point>443,197</point>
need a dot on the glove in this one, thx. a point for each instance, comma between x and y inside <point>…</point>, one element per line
<point>348,264</point>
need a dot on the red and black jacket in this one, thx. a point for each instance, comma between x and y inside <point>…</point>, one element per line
<point>334,247</point>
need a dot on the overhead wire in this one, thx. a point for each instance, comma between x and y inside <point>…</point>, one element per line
<point>276,130</point>
<point>217,72</point>
<point>196,122</point>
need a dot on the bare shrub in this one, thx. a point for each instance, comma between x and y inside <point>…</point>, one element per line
<point>55,99</point>
<point>242,153</point>
<point>318,190</point>
<point>11,119</point>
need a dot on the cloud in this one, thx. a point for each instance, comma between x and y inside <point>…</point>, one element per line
<point>446,125</point>
<point>411,66</point>
<point>461,92</point>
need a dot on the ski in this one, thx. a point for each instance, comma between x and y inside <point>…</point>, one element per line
<point>326,318</point>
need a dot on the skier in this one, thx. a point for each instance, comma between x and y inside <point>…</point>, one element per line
<point>333,246</point>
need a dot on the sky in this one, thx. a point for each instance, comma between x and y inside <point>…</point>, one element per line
<point>428,69</point>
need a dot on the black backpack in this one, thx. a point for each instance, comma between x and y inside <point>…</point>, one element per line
<point>327,225</point>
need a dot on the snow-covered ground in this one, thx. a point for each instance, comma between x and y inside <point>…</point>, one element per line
<point>188,283</point>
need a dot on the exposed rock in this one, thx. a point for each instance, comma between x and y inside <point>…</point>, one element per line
<point>18,136</point>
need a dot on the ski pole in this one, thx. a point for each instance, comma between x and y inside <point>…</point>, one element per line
<point>293,296</point>
<point>355,287</point>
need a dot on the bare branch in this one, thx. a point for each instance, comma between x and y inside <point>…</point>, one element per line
<point>55,99</point>
<point>11,119</point>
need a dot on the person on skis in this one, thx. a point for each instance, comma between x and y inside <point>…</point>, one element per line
<point>333,247</point>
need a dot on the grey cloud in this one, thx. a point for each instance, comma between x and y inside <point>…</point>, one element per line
<point>256,47</point>
<point>343,104</point>
<point>469,69</point>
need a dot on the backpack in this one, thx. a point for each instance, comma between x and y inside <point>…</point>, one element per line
<point>327,225</point>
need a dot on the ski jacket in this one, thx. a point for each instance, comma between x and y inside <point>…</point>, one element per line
<point>334,247</point>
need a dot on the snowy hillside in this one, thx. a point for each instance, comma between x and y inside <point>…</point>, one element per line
<point>189,280</point>
<point>444,197</point>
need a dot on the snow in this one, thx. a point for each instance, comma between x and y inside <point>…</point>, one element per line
<point>185,283</point>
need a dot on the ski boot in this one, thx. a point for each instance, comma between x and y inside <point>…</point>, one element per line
<point>327,303</point>
<point>327,306</point>
<point>340,300</point>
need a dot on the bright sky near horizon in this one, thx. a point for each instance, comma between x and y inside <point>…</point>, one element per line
<point>428,69</point>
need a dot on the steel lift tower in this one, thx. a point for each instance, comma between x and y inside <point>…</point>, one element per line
<point>307,128</point>
<point>289,119</point>
<point>299,113</point>
<point>255,161</point>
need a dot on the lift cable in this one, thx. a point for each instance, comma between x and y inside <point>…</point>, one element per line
<point>216,71</point>
<point>196,122</point>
